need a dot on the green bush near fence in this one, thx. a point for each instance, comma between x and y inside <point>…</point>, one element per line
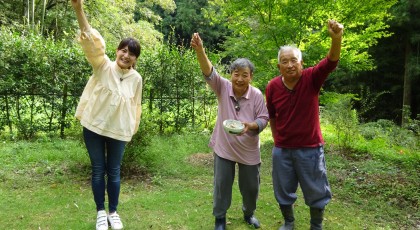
<point>40,78</point>
<point>43,78</point>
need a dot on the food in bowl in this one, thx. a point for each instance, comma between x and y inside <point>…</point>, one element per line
<point>233,126</point>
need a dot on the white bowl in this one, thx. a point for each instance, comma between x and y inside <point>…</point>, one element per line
<point>233,126</point>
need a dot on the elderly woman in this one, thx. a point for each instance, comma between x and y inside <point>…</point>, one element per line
<point>237,100</point>
<point>109,111</point>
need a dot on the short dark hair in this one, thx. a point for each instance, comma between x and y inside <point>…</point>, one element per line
<point>132,44</point>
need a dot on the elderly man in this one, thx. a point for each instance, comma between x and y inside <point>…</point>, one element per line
<point>298,154</point>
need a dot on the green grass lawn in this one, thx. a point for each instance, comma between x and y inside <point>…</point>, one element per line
<point>45,185</point>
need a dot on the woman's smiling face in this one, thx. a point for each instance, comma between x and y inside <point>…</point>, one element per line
<point>125,59</point>
<point>241,78</point>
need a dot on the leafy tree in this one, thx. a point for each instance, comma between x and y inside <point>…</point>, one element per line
<point>397,72</point>
<point>42,68</point>
<point>188,18</point>
<point>41,81</point>
<point>407,27</point>
<point>10,12</point>
<point>146,10</point>
<point>114,19</point>
<point>262,26</point>
<point>174,93</point>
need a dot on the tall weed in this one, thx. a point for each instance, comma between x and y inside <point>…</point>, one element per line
<point>338,111</point>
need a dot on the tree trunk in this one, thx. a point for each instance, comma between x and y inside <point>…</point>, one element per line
<point>63,111</point>
<point>33,14</point>
<point>43,16</point>
<point>407,84</point>
<point>406,107</point>
<point>27,13</point>
<point>8,119</point>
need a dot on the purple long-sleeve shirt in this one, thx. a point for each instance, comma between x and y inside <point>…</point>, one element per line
<point>244,149</point>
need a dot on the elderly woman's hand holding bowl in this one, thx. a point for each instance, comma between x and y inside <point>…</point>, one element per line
<point>233,126</point>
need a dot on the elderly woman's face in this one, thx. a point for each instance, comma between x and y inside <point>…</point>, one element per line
<point>241,79</point>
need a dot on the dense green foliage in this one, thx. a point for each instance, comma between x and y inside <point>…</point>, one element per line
<point>267,25</point>
<point>114,19</point>
<point>43,70</point>
<point>397,69</point>
<point>43,75</point>
<point>41,80</point>
<point>176,97</point>
<point>190,17</point>
<point>338,111</point>
<point>380,47</point>
<point>382,139</point>
<point>42,83</point>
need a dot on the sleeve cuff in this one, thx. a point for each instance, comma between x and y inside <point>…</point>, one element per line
<point>212,74</point>
<point>85,34</point>
<point>260,125</point>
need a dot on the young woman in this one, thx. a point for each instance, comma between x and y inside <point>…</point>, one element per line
<point>109,111</point>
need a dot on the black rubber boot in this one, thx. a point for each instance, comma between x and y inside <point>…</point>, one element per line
<point>317,216</point>
<point>289,218</point>
<point>251,220</point>
<point>220,224</point>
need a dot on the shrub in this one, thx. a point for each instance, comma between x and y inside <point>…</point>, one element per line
<point>40,78</point>
<point>136,161</point>
<point>338,111</point>
<point>392,133</point>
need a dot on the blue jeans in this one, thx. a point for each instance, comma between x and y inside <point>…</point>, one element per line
<point>306,167</point>
<point>105,156</point>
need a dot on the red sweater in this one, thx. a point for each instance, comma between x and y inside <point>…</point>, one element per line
<point>296,112</point>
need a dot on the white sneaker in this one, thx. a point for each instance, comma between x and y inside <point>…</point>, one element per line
<point>115,221</point>
<point>101,221</point>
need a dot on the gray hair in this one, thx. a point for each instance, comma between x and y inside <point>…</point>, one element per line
<point>288,48</point>
<point>241,63</point>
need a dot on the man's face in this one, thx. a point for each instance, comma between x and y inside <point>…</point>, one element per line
<point>240,79</point>
<point>290,66</point>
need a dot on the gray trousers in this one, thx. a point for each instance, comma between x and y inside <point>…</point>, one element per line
<point>306,167</point>
<point>224,176</point>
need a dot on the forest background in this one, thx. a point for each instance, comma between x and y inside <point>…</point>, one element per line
<point>43,70</point>
<point>371,103</point>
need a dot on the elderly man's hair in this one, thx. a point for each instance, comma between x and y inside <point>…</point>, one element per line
<point>241,63</point>
<point>288,48</point>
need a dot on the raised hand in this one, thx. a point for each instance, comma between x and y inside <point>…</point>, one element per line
<point>196,42</point>
<point>77,4</point>
<point>335,29</point>
<point>205,64</point>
